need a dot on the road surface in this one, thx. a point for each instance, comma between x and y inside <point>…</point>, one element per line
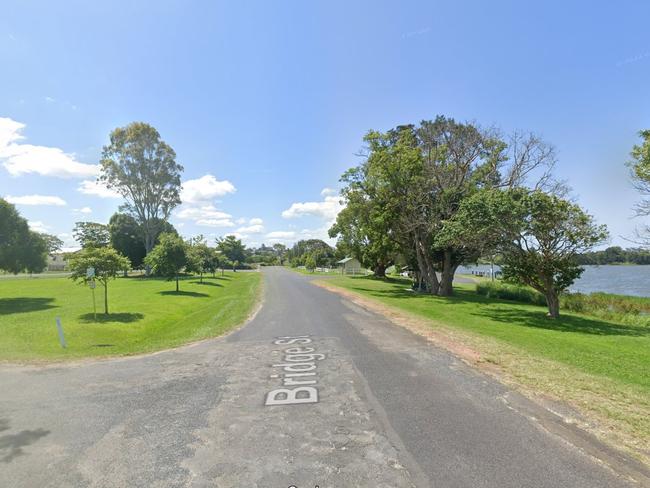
<point>368,404</point>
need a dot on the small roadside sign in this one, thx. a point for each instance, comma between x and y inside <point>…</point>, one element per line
<point>90,272</point>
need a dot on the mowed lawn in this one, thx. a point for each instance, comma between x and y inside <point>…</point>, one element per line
<point>595,346</point>
<point>146,314</point>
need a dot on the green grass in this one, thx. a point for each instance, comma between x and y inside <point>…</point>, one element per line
<point>334,272</point>
<point>595,346</point>
<point>146,315</point>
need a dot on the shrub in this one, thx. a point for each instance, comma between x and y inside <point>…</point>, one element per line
<point>507,291</point>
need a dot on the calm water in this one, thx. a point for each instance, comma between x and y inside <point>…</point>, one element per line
<point>623,280</point>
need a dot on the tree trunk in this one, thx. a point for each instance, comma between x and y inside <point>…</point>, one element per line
<point>380,270</point>
<point>201,277</point>
<point>447,278</point>
<point>553,302</point>
<point>427,270</point>
<point>176,283</point>
<point>106,298</point>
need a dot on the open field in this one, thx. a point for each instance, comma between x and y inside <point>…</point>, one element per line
<point>146,315</point>
<point>599,367</point>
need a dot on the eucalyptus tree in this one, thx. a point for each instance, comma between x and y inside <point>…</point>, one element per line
<point>640,171</point>
<point>140,166</point>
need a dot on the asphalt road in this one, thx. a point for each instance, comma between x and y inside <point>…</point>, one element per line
<point>391,411</point>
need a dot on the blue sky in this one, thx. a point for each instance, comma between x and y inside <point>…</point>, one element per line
<point>266,103</point>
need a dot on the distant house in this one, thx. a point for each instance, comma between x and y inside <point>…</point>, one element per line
<point>349,266</point>
<point>57,262</point>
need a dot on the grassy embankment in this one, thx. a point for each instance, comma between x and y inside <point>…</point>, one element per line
<point>146,315</point>
<point>598,366</point>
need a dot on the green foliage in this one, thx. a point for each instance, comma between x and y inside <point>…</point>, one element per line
<point>310,262</point>
<point>20,248</point>
<point>107,263</point>
<point>615,255</point>
<point>508,291</point>
<point>232,248</point>
<point>126,238</point>
<point>143,169</point>
<point>91,234</point>
<point>53,243</point>
<point>322,253</point>
<point>169,257</point>
<point>538,236</point>
<point>201,258</point>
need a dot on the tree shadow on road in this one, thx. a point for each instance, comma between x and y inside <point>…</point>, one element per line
<point>123,318</point>
<point>11,445</point>
<point>25,304</point>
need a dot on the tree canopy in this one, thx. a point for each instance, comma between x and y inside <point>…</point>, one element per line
<point>139,165</point>
<point>105,261</point>
<point>169,257</point>
<point>21,249</point>
<point>91,234</point>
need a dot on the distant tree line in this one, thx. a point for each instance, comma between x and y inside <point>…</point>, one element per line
<point>615,255</point>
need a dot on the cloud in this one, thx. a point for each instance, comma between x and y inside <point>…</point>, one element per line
<point>280,235</point>
<point>328,191</point>
<point>256,221</point>
<point>38,226</point>
<point>83,210</point>
<point>251,229</point>
<point>205,189</point>
<point>98,189</point>
<point>215,222</point>
<point>202,213</point>
<point>19,159</point>
<point>36,200</point>
<point>327,209</point>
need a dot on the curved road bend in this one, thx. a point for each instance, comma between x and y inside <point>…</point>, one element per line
<point>392,411</point>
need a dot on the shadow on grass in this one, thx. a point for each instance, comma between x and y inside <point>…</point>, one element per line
<point>182,293</point>
<point>123,318</point>
<point>507,311</point>
<point>9,306</point>
<point>205,282</point>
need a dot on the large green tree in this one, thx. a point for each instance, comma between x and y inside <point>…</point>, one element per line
<point>21,249</point>
<point>105,261</point>
<point>168,257</point>
<point>538,235</point>
<point>201,258</point>
<point>139,165</point>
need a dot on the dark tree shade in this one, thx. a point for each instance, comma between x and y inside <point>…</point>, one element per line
<point>20,248</point>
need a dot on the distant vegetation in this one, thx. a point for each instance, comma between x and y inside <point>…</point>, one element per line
<point>615,255</point>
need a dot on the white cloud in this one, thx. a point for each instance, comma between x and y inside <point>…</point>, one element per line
<point>327,209</point>
<point>97,188</point>
<point>36,200</point>
<point>38,226</point>
<point>215,222</point>
<point>50,99</point>
<point>84,210</point>
<point>281,235</point>
<point>251,229</point>
<point>328,191</point>
<point>205,189</point>
<point>204,212</point>
<point>19,159</point>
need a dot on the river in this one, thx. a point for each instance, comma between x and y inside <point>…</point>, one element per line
<point>622,280</point>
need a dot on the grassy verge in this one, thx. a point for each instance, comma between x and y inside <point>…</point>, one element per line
<point>599,367</point>
<point>146,315</point>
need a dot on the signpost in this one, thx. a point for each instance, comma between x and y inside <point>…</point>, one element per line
<point>90,274</point>
<point>60,329</point>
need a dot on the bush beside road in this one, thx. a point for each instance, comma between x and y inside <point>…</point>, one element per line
<point>146,315</point>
